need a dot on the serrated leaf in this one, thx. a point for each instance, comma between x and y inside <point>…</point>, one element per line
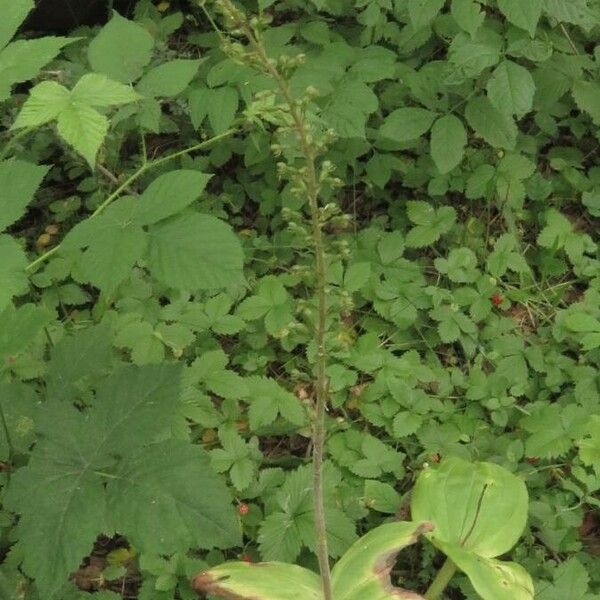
<point>121,49</point>
<point>468,15</point>
<point>20,326</point>
<point>448,141</point>
<point>112,241</point>
<point>267,400</point>
<point>168,79</point>
<point>83,128</point>
<point>496,128</point>
<point>94,89</point>
<point>12,270</point>
<point>525,15</point>
<point>576,12</point>
<point>195,252</point>
<point>19,181</point>
<point>511,89</point>
<point>169,194</point>
<point>13,14</point>
<point>222,107</point>
<point>23,59</point>
<point>46,101</point>
<point>587,97</point>
<point>166,498</point>
<point>422,12</point>
<point>406,124</point>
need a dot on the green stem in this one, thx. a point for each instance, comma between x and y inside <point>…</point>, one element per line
<point>147,166</point>
<point>441,581</point>
<point>11,448</point>
<point>313,190</point>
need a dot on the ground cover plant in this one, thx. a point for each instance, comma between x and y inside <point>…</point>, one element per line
<point>306,283</point>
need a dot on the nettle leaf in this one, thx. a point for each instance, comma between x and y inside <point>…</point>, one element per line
<point>407,124</point>
<point>121,49</point>
<point>448,141</point>
<point>168,79</point>
<point>166,498</point>
<point>525,15</point>
<point>511,89</point>
<point>22,60</point>
<point>465,502</point>
<point>64,480</point>
<point>495,127</point>
<point>19,180</point>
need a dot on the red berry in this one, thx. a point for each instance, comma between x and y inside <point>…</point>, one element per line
<point>243,509</point>
<point>497,299</point>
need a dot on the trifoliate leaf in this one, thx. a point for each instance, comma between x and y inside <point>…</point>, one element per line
<point>522,14</point>
<point>19,181</point>
<point>168,79</point>
<point>448,141</point>
<point>267,400</point>
<point>406,124</point>
<point>195,252</point>
<point>121,50</point>
<point>166,498</point>
<point>495,127</point>
<point>511,89</point>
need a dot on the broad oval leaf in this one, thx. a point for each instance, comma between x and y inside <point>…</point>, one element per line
<point>260,581</point>
<point>407,124</point>
<point>195,251</point>
<point>492,579</point>
<point>480,507</point>
<point>364,570</point>
<point>496,128</point>
<point>448,141</point>
<point>121,50</point>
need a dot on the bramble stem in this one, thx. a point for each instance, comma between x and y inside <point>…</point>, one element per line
<point>441,581</point>
<point>321,384</point>
<point>147,166</point>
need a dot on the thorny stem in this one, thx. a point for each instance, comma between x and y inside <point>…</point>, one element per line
<point>146,166</point>
<point>441,581</point>
<point>321,383</point>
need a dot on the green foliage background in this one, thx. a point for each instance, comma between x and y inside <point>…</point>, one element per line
<point>167,338</point>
